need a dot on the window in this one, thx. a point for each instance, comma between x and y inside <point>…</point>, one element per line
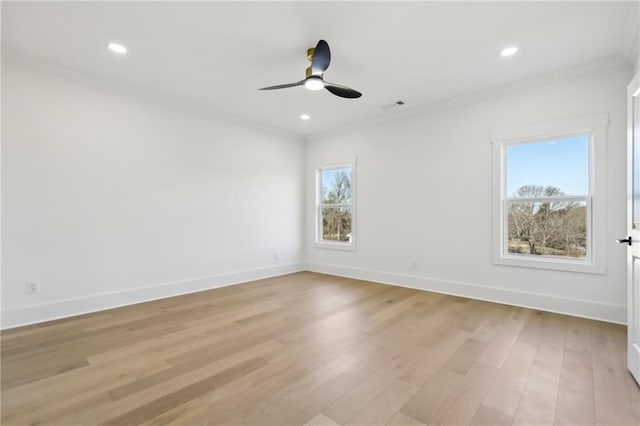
<point>549,196</point>
<point>334,212</point>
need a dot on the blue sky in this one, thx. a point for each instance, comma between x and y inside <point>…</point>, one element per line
<point>328,177</point>
<point>562,162</point>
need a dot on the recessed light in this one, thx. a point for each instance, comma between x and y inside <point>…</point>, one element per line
<point>508,51</point>
<point>116,47</point>
<point>305,117</point>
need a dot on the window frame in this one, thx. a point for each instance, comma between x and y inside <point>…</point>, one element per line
<point>318,241</point>
<point>595,127</point>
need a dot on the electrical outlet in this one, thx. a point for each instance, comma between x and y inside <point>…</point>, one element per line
<point>414,263</point>
<point>276,255</point>
<point>32,287</point>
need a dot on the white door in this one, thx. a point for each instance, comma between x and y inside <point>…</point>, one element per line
<point>633,239</point>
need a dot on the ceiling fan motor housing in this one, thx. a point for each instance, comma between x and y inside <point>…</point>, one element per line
<point>309,73</point>
<point>314,75</point>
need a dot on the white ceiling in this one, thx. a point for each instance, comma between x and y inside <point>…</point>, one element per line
<point>217,54</point>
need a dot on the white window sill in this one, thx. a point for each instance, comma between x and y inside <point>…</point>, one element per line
<point>556,264</point>
<point>334,245</point>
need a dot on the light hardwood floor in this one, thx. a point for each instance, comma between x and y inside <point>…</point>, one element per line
<point>318,350</point>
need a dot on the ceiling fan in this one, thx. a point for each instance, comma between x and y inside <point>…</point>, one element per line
<point>320,57</point>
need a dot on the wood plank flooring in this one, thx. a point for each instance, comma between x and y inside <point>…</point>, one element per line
<point>312,349</point>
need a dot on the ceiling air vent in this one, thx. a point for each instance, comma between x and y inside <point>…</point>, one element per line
<point>393,105</point>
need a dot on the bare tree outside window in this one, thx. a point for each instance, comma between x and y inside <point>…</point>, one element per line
<point>553,228</point>
<point>335,209</point>
<point>547,197</point>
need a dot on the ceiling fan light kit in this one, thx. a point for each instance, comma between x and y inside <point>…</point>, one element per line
<point>314,83</point>
<point>320,57</point>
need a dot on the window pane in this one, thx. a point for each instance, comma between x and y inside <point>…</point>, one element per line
<point>548,229</point>
<point>549,168</point>
<point>336,186</point>
<point>336,223</point>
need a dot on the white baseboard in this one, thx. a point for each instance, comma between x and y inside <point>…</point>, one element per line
<point>543,302</point>
<point>66,308</point>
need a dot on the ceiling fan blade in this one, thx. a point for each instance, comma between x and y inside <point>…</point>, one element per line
<point>321,58</point>
<point>342,91</point>
<point>283,86</point>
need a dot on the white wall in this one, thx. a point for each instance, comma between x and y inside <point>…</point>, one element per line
<point>636,49</point>
<point>424,193</point>
<point>635,38</point>
<point>637,43</point>
<point>110,199</point>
